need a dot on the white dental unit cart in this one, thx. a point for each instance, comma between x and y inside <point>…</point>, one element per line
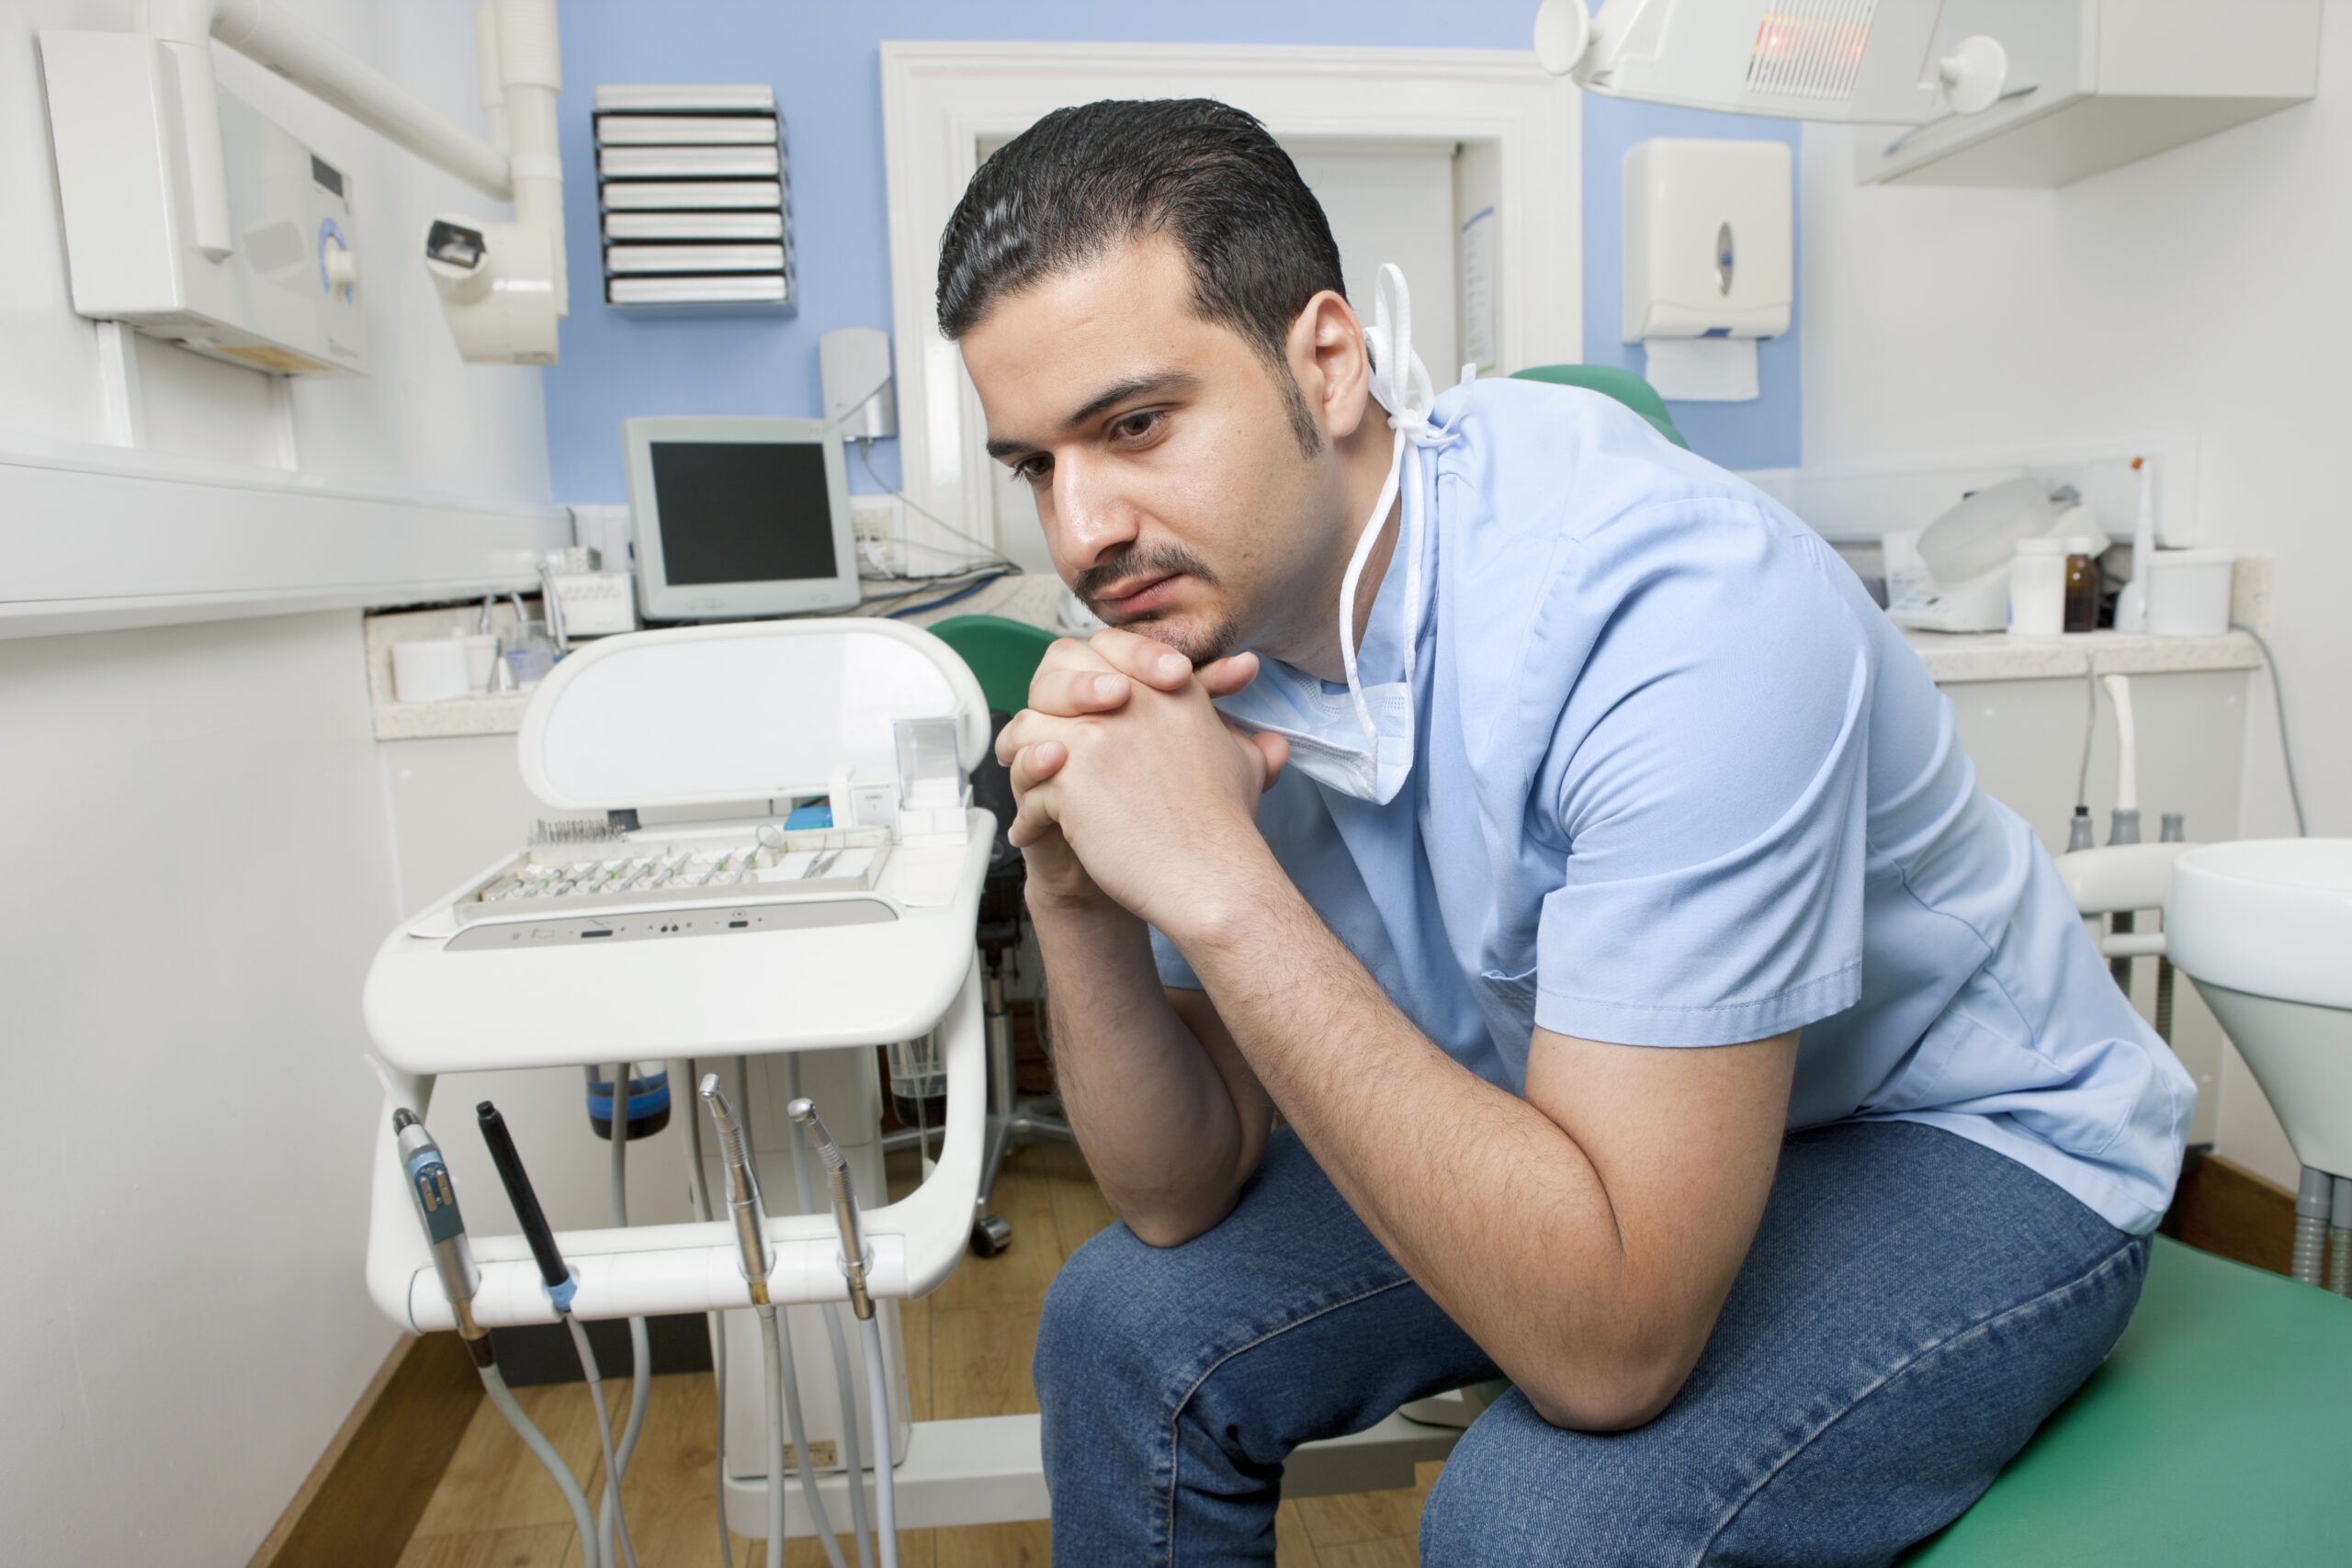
<point>717,934</point>
<point>706,930</point>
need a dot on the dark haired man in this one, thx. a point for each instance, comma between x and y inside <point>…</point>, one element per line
<point>1661,1017</point>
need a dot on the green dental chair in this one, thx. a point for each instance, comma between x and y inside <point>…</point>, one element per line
<point>2219,1431</point>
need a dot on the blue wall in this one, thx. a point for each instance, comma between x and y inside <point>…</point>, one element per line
<point>823,59</point>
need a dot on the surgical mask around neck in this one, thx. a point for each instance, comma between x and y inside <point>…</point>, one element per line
<point>1360,743</point>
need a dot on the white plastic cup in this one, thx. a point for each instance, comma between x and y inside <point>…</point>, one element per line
<point>429,671</point>
<point>481,657</point>
<point>2038,588</point>
<point>2189,592</point>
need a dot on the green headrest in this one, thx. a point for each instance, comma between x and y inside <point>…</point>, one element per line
<point>1003,655</point>
<point>1622,385</point>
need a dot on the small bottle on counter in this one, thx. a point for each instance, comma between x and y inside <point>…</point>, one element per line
<point>2082,585</point>
<point>2037,589</point>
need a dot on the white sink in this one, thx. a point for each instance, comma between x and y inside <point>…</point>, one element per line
<point>2264,927</point>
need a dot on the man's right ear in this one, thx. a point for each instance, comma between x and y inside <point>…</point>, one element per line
<point>1327,354</point>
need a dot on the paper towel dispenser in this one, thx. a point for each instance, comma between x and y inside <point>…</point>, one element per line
<point>1708,239</point>
<point>1710,261</point>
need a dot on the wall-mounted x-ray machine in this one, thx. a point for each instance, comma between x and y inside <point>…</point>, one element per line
<point>192,215</point>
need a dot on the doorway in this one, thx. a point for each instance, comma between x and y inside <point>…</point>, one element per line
<point>1461,165</point>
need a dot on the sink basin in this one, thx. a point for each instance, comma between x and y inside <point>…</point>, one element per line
<point>2264,927</point>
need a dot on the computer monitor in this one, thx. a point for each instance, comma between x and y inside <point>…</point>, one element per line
<point>736,518</point>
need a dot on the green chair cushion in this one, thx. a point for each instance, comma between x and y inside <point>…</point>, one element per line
<point>2219,1431</point>
<point>1622,385</point>
<point>1003,655</point>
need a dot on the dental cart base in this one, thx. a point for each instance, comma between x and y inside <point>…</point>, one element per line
<point>704,937</point>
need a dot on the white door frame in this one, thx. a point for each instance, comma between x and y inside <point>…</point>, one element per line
<point>940,100</point>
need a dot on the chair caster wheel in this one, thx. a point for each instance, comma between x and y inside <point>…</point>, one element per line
<point>991,1234</point>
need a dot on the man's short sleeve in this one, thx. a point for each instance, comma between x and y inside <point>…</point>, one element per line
<point>1707,780</point>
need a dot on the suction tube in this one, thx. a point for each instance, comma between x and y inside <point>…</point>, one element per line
<point>2339,1239</point>
<point>2312,1202</point>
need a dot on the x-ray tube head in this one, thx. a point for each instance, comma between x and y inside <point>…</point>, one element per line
<point>497,284</point>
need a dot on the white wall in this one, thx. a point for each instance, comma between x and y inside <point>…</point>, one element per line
<point>201,869</point>
<point>194,825</point>
<point>2191,292</point>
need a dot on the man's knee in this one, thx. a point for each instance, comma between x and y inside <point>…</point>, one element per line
<point>1517,1491</point>
<point>1107,1317</point>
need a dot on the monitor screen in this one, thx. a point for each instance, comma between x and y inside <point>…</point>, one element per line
<point>744,511</point>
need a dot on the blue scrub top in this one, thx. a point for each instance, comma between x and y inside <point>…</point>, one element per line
<point>1678,781</point>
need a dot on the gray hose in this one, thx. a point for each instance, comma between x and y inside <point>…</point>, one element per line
<point>784,1390</point>
<point>2286,752</point>
<point>780,1328</point>
<point>2163,999</point>
<point>700,1183</point>
<point>2311,1243</point>
<point>2312,1201</point>
<point>2339,1237</point>
<point>885,1500</point>
<point>603,1427</point>
<point>851,1450</point>
<point>774,1359</point>
<point>641,1345</point>
<point>503,1400</point>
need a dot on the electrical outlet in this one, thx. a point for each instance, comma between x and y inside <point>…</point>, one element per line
<point>875,524</point>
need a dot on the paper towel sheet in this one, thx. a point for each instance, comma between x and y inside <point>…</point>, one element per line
<point>1702,369</point>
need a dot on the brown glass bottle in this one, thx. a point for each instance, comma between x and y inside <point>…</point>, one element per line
<point>2081,587</point>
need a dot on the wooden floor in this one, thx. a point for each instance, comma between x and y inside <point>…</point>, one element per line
<point>968,1346</point>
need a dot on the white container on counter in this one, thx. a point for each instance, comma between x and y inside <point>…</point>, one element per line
<point>2038,588</point>
<point>429,670</point>
<point>2189,592</point>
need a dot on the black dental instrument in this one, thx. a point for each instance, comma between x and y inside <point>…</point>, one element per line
<point>560,1284</point>
<point>553,1273</point>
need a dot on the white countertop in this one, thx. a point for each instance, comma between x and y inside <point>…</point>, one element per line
<point>1952,657</point>
<point>1033,598</point>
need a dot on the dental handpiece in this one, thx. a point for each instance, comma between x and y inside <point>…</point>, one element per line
<point>853,1255</point>
<point>445,1228</point>
<point>755,1254</point>
<point>553,1272</point>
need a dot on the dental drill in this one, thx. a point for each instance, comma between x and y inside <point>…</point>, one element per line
<point>756,1257</point>
<point>557,1278</point>
<point>855,1261</point>
<point>444,1232</point>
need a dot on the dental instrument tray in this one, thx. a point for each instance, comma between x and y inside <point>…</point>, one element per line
<point>620,935</point>
<point>655,871</point>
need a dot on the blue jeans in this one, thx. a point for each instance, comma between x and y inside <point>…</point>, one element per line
<point>1912,1308</point>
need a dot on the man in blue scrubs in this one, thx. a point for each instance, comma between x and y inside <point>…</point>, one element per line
<point>1547,824</point>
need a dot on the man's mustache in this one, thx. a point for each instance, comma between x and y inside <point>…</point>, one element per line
<point>1158,561</point>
